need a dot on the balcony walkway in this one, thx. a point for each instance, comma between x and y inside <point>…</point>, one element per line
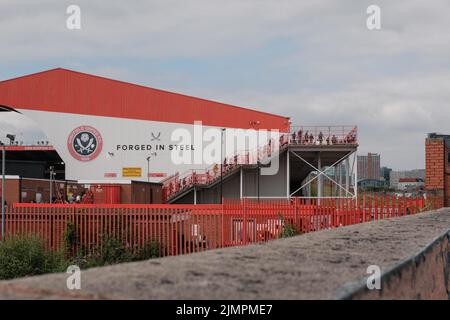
<point>305,138</point>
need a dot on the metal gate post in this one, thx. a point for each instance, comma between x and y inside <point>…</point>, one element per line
<point>223,226</point>
<point>244,223</point>
<point>296,213</point>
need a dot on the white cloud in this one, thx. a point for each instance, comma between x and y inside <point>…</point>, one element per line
<point>25,129</point>
<point>393,83</point>
<point>393,114</point>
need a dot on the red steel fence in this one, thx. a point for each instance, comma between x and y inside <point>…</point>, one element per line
<point>183,229</point>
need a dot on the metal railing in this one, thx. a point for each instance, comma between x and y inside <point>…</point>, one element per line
<point>324,135</point>
<point>29,148</point>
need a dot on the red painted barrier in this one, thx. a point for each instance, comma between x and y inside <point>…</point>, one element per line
<point>106,193</point>
<point>183,229</point>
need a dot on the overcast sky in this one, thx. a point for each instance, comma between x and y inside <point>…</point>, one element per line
<point>314,61</point>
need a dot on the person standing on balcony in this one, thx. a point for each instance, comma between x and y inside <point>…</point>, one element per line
<point>311,138</point>
<point>333,139</point>
<point>283,141</point>
<point>320,137</point>
<point>299,136</point>
<point>305,139</point>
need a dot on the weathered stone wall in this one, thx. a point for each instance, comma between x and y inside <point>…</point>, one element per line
<point>424,276</point>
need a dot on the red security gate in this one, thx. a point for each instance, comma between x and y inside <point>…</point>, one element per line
<point>106,193</point>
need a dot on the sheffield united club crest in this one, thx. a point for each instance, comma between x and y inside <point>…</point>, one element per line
<point>85,143</point>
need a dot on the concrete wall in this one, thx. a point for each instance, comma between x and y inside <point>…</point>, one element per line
<point>269,186</point>
<point>187,199</point>
<point>423,276</point>
<point>231,189</point>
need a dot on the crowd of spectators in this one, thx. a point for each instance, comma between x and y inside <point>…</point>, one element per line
<point>309,138</point>
<point>85,197</point>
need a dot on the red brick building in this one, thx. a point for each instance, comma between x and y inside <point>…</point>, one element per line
<point>437,166</point>
<point>25,190</point>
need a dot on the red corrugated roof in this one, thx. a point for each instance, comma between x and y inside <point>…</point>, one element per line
<point>62,90</point>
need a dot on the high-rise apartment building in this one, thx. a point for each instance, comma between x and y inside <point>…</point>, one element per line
<point>369,166</point>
